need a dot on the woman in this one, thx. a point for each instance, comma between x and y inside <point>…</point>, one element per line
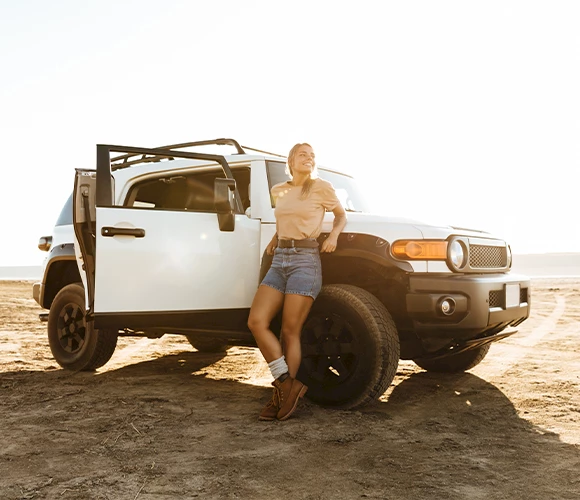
<point>295,277</point>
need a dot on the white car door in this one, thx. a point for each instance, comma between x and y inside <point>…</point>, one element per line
<point>178,261</point>
<point>166,250</point>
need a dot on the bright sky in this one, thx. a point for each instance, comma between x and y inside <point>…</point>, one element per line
<point>460,112</point>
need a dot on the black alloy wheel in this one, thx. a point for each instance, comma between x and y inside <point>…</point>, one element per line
<point>328,352</point>
<point>350,348</point>
<point>74,343</point>
<point>71,327</point>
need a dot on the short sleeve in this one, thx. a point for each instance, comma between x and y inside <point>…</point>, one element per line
<point>329,200</point>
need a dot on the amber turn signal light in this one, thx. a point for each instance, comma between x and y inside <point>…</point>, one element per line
<point>419,249</point>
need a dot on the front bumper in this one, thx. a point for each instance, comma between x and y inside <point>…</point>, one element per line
<point>36,293</point>
<point>480,303</point>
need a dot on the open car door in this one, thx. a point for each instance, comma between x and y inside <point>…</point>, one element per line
<point>148,268</point>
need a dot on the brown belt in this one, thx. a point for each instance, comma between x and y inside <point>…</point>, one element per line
<point>307,243</point>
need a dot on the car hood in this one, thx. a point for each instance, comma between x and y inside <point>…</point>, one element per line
<point>398,228</point>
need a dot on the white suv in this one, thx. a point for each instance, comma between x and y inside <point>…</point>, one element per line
<point>170,241</point>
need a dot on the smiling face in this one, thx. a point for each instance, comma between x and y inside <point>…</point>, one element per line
<point>301,159</point>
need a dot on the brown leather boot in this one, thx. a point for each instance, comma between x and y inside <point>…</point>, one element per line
<point>270,411</point>
<point>289,392</point>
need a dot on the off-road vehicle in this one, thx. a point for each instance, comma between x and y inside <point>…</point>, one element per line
<point>172,241</point>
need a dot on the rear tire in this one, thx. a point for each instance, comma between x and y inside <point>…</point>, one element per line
<point>456,362</point>
<point>74,343</point>
<point>350,348</point>
<point>207,344</point>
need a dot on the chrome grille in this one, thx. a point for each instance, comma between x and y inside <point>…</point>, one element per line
<point>487,257</point>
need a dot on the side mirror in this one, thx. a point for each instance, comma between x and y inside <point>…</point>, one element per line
<point>223,197</point>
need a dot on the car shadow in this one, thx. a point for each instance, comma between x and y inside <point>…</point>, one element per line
<point>464,432</point>
<point>431,435</point>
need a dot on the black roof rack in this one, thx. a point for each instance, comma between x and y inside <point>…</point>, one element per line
<point>265,152</point>
<point>105,166</point>
<point>220,142</point>
<point>123,161</point>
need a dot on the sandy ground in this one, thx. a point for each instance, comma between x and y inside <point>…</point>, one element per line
<point>162,421</point>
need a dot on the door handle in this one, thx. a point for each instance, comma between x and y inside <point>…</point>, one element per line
<point>109,231</point>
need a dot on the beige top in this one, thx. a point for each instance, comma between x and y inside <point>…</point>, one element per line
<point>298,218</point>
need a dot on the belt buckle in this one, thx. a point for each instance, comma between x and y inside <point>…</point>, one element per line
<point>292,246</point>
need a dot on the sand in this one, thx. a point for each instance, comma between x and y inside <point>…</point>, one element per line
<point>162,421</point>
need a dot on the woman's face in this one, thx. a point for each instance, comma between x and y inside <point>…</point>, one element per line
<point>303,161</point>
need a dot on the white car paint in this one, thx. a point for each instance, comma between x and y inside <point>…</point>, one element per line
<point>183,248</point>
<point>183,263</point>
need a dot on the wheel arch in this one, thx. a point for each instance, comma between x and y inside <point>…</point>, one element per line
<point>61,270</point>
<point>387,282</point>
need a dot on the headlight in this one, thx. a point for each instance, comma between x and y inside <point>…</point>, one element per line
<point>457,254</point>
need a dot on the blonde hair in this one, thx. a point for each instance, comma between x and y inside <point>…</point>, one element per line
<point>291,155</point>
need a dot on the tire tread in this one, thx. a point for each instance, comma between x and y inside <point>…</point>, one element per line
<point>385,335</point>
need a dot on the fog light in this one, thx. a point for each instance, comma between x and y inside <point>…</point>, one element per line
<point>447,306</point>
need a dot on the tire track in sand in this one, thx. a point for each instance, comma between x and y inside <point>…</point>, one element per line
<point>499,363</point>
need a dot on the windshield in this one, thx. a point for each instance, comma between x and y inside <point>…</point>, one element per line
<point>346,189</point>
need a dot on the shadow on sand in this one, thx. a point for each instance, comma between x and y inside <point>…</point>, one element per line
<point>436,436</point>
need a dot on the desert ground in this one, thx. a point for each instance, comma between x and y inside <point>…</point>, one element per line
<point>162,421</point>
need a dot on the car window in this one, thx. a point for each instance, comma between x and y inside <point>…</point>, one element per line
<point>66,214</point>
<point>191,191</point>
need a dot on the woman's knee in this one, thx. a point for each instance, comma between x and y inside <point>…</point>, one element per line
<point>256,323</point>
<point>291,333</point>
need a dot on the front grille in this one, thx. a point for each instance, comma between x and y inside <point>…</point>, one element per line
<point>496,298</point>
<point>523,295</point>
<point>487,257</point>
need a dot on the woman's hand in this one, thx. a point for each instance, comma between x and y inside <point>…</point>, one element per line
<point>272,245</point>
<point>329,244</point>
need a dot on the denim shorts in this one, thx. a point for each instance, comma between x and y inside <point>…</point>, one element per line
<point>295,271</point>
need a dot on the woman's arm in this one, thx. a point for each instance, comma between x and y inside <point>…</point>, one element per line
<point>329,244</point>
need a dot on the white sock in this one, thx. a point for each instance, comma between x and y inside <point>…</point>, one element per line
<point>278,367</point>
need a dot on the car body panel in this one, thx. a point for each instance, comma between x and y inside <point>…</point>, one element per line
<point>183,263</point>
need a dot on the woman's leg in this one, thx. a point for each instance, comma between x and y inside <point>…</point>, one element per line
<point>296,309</point>
<point>267,302</point>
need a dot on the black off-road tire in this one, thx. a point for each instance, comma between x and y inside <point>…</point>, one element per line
<point>74,343</point>
<point>350,348</point>
<point>456,362</point>
<point>207,344</point>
